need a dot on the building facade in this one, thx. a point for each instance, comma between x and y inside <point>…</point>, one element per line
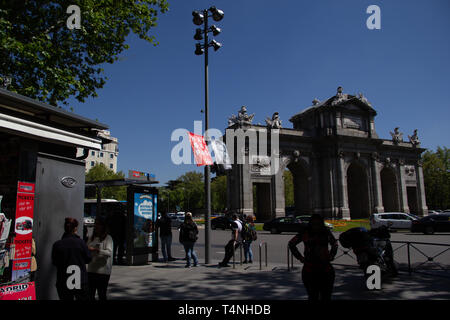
<point>107,155</point>
<point>340,167</point>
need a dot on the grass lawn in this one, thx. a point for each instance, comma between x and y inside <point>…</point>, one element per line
<point>339,225</point>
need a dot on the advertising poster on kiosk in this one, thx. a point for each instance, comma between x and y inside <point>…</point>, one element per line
<point>19,291</point>
<point>142,240</point>
<point>23,227</point>
<point>143,220</point>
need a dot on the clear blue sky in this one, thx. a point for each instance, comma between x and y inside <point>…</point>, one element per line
<point>278,56</point>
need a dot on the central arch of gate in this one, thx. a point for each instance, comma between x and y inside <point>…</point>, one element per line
<point>340,167</point>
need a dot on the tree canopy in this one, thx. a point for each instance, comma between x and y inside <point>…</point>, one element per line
<point>436,171</point>
<point>187,193</point>
<point>50,62</point>
<point>101,172</point>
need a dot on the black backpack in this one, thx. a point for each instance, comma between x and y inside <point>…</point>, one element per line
<point>248,233</point>
<point>189,232</point>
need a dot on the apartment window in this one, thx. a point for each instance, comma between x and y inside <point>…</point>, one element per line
<point>101,154</point>
<point>111,156</point>
<point>111,166</point>
<point>92,153</point>
<point>92,163</point>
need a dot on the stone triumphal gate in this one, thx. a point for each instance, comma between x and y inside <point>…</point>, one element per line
<point>340,167</point>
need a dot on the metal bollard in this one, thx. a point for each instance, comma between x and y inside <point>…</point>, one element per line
<point>409,259</point>
<point>240,252</point>
<point>234,251</point>
<point>260,254</point>
<point>288,264</point>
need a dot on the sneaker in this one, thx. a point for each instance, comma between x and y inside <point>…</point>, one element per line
<point>195,265</point>
<point>223,265</point>
<point>172,259</point>
<point>245,262</point>
<point>250,261</point>
<point>187,266</point>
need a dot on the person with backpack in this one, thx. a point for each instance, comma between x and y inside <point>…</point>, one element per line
<point>248,236</point>
<point>188,237</point>
<point>234,243</point>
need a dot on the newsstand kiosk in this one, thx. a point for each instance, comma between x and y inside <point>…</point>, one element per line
<point>41,182</point>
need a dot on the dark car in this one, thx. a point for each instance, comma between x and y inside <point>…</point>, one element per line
<point>284,224</point>
<point>221,223</point>
<point>432,223</point>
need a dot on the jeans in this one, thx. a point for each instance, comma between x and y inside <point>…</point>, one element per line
<point>248,253</point>
<point>166,243</point>
<point>98,283</point>
<point>189,249</point>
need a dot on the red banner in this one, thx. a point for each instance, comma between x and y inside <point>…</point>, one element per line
<point>201,153</point>
<point>24,220</point>
<point>20,291</point>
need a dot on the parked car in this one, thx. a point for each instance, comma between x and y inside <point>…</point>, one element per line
<point>393,220</point>
<point>432,223</point>
<point>176,221</point>
<point>284,224</point>
<point>305,219</point>
<point>221,223</point>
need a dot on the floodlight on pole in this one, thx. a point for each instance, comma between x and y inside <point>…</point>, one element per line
<point>198,18</point>
<point>198,49</point>
<point>216,13</point>
<point>198,34</point>
<point>216,45</point>
<point>215,31</point>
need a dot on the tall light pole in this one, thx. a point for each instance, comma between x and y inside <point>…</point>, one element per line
<point>199,19</point>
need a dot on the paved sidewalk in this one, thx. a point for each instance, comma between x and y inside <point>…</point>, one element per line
<point>247,282</point>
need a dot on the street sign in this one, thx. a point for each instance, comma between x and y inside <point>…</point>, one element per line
<point>142,176</point>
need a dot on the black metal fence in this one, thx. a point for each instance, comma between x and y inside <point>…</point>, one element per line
<point>410,256</point>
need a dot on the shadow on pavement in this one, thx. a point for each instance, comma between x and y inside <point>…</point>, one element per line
<point>209,282</point>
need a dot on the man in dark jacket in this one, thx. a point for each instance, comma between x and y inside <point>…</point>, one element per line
<point>165,233</point>
<point>70,256</point>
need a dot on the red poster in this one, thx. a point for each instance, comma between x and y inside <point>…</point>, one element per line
<point>24,220</point>
<point>201,153</point>
<point>20,291</point>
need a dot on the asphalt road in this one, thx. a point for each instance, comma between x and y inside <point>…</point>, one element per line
<point>277,247</point>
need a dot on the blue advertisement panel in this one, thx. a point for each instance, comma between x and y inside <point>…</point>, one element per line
<point>145,214</point>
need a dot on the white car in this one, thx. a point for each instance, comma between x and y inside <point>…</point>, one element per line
<point>393,220</point>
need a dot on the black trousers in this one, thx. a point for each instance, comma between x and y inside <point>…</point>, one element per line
<point>118,249</point>
<point>229,251</point>
<point>75,294</point>
<point>319,285</point>
<point>98,283</point>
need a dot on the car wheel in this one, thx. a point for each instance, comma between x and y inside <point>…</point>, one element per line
<point>274,231</point>
<point>429,230</point>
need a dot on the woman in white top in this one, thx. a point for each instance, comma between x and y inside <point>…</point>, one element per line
<point>99,269</point>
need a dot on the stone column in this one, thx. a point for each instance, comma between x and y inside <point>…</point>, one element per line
<point>404,207</point>
<point>376,181</point>
<point>278,202</point>
<point>344,210</point>
<point>247,190</point>
<point>316,178</point>
<point>422,202</point>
